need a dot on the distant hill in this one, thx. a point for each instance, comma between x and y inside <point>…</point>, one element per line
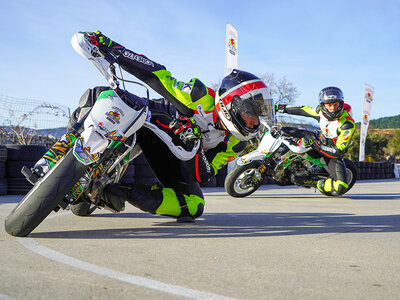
<point>386,122</point>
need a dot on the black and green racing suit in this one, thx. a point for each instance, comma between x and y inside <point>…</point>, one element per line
<point>179,193</point>
<point>332,144</point>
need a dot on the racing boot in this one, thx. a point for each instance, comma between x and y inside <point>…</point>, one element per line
<point>115,195</point>
<point>332,187</point>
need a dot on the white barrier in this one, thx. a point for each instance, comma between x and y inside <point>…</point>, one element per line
<point>397,170</point>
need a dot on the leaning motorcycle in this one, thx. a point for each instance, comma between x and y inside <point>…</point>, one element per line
<point>282,159</point>
<point>98,150</point>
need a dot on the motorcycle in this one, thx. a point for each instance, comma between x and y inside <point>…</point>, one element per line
<point>283,159</point>
<point>99,148</point>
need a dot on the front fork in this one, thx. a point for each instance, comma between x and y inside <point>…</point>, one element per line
<point>55,153</point>
<point>258,175</point>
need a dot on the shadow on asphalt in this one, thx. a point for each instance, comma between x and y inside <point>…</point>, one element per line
<point>238,225</point>
<point>394,196</point>
<point>391,196</point>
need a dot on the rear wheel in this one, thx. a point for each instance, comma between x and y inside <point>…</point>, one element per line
<point>351,174</point>
<point>242,181</point>
<point>45,196</point>
<point>83,208</point>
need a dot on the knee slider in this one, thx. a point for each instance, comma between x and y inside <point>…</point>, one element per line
<point>339,188</point>
<point>199,212</point>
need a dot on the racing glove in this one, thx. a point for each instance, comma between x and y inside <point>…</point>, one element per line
<point>281,108</point>
<point>109,49</point>
<point>186,130</point>
<point>320,146</point>
<point>305,142</point>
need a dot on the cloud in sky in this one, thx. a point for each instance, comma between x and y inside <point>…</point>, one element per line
<point>313,43</point>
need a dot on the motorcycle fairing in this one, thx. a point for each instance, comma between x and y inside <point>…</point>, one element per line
<point>109,120</point>
<point>267,146</point>
<point>81,45</point>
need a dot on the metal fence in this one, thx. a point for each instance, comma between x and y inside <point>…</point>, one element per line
<point>28,121</point>
<point>33,114</point>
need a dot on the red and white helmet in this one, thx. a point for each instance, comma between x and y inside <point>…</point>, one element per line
<point>241,97</point>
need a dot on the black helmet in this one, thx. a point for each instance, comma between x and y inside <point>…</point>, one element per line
<point>329,95</point>
<point>242,95</point>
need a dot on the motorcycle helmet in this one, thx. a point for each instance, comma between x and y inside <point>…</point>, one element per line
<point>241,100</point>
<point>329,95</point>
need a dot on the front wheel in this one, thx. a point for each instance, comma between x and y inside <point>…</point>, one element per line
<point>45,196</point>
<point>242,181</point>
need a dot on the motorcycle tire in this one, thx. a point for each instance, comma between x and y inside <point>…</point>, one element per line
<point>235,177</point>
<point>352,172</point>
<point>45,196</point>
<point>82,209</point>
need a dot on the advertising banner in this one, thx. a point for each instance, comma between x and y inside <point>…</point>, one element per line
<point>367,106</point>
<point>231,52</point>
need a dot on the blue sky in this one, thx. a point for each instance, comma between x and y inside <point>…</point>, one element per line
<point>313,43</point>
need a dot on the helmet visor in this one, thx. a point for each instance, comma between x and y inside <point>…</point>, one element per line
<point>265,105</point>
<point>331,95</point>
<point>247,111</point>
<point>254,106</point>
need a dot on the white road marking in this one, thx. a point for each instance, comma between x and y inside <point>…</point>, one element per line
<point>34,246</point>
<point>5,297</point>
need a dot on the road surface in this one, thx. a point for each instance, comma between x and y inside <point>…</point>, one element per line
<point>280,243</point>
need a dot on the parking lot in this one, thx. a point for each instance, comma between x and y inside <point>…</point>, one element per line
<point>279,243</point>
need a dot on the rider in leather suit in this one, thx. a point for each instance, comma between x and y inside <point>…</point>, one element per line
<point>224,121</point>
<point>337,128</point>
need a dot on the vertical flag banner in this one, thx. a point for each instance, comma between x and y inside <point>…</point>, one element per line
<point>367,106</point>
<point>231,52</point>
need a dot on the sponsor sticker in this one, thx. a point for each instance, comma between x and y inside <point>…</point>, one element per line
<point>201,111</point>
<point>225,110</point>
<point>232,43</point>
<point>113,117</point>
<point>139,58</point>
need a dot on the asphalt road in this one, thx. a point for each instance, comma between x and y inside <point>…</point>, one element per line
<point>280,243</point>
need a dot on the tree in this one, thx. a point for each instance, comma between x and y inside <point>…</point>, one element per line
<point>375,146</point>
<point>282,91</point>
<point>16,121</point>
<point>354,149</point>
<point>394,144</point>
<point>215,85</point>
